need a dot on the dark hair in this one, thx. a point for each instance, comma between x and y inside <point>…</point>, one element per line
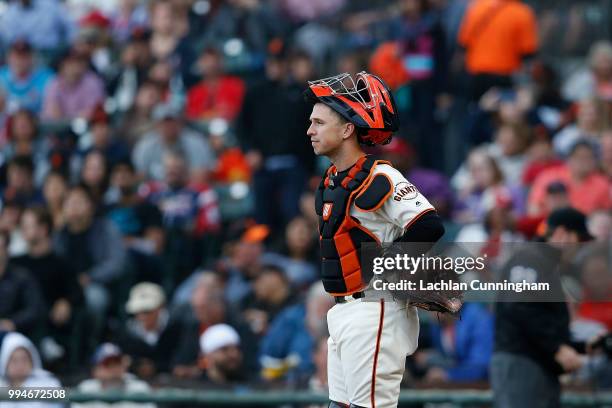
<point>275,269</point>
<point>56,173</point>
<point>123,163</point>
<point>85,190</point>
<point>43,216</point>
<point>23,162</point>
<point>583,143</point>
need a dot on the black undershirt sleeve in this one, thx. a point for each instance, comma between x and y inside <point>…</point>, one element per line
<point>428,228</point>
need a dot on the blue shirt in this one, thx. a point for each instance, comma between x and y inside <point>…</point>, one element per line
<point>25,93</point>
<point>45,24</point>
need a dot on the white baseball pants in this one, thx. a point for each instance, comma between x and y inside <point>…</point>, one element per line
<point>367,350</point>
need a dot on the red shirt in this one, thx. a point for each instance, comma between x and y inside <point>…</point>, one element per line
<point>222,99</point>
<point>588,195</point>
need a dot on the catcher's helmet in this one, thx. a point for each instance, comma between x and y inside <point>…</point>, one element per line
<point>365,101</point>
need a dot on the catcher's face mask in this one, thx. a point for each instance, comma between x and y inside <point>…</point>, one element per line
<point>364,100</point>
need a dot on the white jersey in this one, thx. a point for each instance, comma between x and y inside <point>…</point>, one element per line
<point>369,341</point>
<point>404,205</point>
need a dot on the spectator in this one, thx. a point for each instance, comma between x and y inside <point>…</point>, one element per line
<point>132,72</point>
<point>167,29</point>
<point>93,247</point>
<point>150,337</point>
<point>600,225</point>
<point>218,95</point>
<point>286,350</point>
<point>20,304</point>
<point>101,137</point>
<point>9,222</point>
<point>497,36</point>
<point>172,136</point>
<point>593,117</point>
<point>220,347</point>
<point>422,47</point>
<point>540,157</point>
<point>20,366</point>
<point>595,81</point>
<point>94,41</point>
<point>139,221</point>
<point>20,182</point>
<point>75,92</point>
<point>509,150</point>
<point>190,216</point>
<point>94,175</point>
<point>55,189</point>
<point>274,148</point>
<point>271,294</point>
<point>588,189</point>
<point>43,23</point>
<point>596,280</point>
<point>24,140</point>
<point>23,81</point>
<point>62,294</point>
<point>127,18</point>
<point>110,373</point>
<point>138,120</point>
<point>254,23</point>
<point>480,188</point>
<point>461,349</point>
<point>245,261</point>
<point>207,309</point>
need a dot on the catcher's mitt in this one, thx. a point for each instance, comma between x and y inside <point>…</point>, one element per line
<point>436,290</point>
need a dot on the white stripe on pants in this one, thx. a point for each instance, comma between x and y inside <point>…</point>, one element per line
<point>354,332</point>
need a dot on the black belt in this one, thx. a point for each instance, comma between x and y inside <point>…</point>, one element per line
<point>342,299</point>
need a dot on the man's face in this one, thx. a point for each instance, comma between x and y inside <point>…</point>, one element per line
<point>123,178</point>
<point>19,178</point>
<point>170,129</point>
<point>20,62</point>
<point>77,207</point>
<point>175,171</point>
<point>326,130</point>
<point>73,70</point>
<point>210,64</point>
<point>561,237</point>
<point>110,370</point>
<point>149,318</point>
<point>582,162</point>
<point>207,303</point>
<point>227,359</point>
<point>31,229</point>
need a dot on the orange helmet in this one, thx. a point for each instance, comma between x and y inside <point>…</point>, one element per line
<point>365,101</point>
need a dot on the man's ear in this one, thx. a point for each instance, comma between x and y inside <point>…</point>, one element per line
<point>349,129</point>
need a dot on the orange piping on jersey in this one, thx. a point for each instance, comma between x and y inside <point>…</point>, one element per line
<point>419,215</point>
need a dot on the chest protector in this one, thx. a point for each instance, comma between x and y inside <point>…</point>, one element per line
<point>341,235</point>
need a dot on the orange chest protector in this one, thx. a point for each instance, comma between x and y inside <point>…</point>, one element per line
<point>341,234</point>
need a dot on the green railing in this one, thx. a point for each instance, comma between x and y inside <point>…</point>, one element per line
<point>460,398</point>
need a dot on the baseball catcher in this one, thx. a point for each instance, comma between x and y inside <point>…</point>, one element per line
<point>363,200</point>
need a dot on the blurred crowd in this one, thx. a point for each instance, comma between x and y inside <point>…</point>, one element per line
<point>157,221</point>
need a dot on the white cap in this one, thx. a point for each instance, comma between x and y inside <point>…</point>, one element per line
<point>144,297</point>
<point>218,336</point>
